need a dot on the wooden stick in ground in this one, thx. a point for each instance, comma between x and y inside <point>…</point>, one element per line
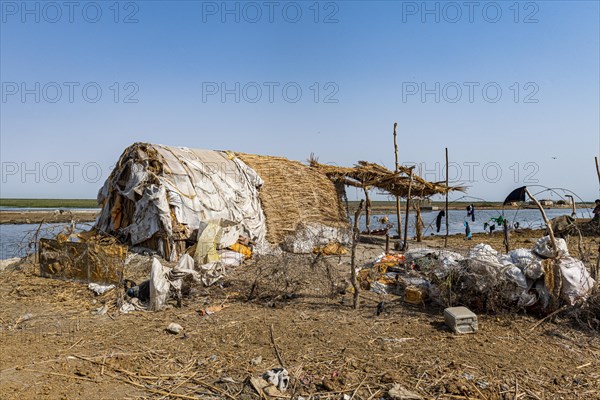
<point>367,210</point>
<point>405,245</point>
<point>547,316</point>
<point>446,208</point>
<point>506,237</point>
<point>398,213</point>
<point>275,347</point>
<point>355,237</point>
<point>548,224</point>
<point>418,223</point>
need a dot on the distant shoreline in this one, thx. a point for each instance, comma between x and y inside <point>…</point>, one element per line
<point>49,203</point>
<point>389,207</point>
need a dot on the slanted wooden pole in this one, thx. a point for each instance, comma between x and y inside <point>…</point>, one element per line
<point>367,209</point>
<point>355,238</point>
<point>405,245</point>
<point>447,228</point>
<point>398,212</point>
<point>597,167</point>
<point>573,206</point>
<point>548,224</point>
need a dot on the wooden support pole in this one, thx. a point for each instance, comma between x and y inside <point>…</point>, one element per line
<point>446,208</point>
<point>418,223</point>
<point>405,245</point>
<point>398,212</point>
<point>387,243</point>
<point>596,273</point>
<point>506,236</point>
<point>355,238</point>
<point>548,224</point>
<point>367,210</point>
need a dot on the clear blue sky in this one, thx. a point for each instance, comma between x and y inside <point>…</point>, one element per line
<point>373,63</point>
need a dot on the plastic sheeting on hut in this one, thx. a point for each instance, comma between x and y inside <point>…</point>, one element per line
<point>157,197</point>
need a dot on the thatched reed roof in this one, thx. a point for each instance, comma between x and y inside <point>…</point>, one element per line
<point>294,193</point>
<point>371,175</point>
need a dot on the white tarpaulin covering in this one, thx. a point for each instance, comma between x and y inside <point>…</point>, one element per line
<point>195,185</point>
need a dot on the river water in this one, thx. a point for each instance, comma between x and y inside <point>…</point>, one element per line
<point>526,218</point>
<point>15,239</point>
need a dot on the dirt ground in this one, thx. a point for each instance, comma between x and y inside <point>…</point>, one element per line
<point>56,345</point>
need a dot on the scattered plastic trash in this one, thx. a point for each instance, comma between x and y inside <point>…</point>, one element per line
<point>133,304</point>
<point>398,392</point>
<point>414,295</point>
<point>126,307</point>
<point>256,360</point>
<point>100,310</point>
<point>278,377</point>
<point>231,258</point>
<point>100,289</point>
<point>468,376</point>
<point>481,384</point>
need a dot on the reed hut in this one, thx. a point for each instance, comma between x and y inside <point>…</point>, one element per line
<point>157,196</point>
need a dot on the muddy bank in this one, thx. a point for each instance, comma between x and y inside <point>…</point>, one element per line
<point>47,216</point>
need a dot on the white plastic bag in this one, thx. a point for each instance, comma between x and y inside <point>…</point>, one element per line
<point>543,247</point>
<point>576,281</point>
<point>159,286</point>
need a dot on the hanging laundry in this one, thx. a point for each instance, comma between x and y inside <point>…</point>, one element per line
<point>471,212</point>
<point>468,233</point>
<point>498,220</point>
<point>438,220</point>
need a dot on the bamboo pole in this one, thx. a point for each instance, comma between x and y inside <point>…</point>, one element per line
<point>548,224</point>
<point>355,238</point>
<point>367,209</point>
<point>405,245</point>
<point>398,213</point>
<point>446,237</point>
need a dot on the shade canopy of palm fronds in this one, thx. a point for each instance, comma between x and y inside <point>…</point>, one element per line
<point>370,175</point>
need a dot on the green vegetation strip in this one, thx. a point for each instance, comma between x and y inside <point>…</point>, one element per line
<point>49,203</point>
